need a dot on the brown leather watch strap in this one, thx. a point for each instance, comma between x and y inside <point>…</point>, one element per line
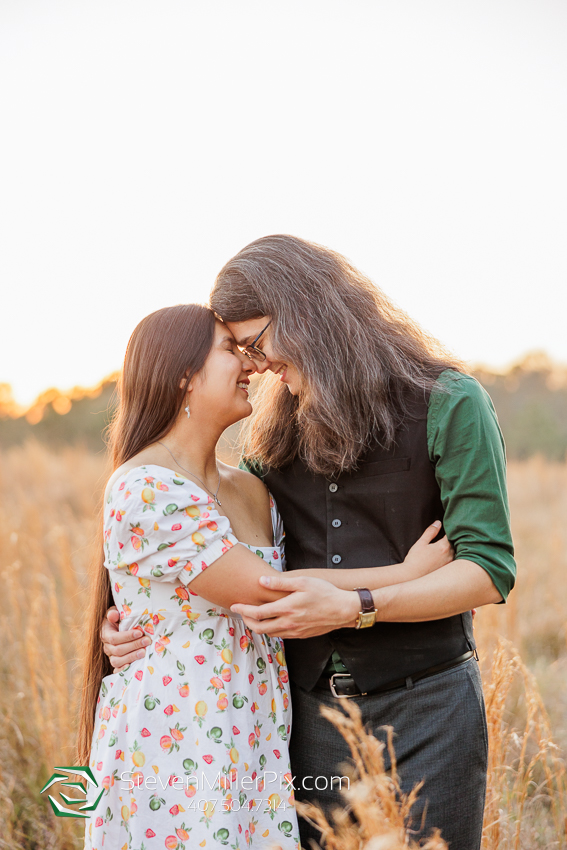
<point>367,614</point>
<point>366,600</point>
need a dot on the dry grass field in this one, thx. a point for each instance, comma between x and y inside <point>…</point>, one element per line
<point>47,525</point>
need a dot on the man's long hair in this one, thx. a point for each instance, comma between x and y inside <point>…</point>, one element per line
<point>362,359</point>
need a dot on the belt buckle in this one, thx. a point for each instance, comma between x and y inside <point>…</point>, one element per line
<point>332,686</point>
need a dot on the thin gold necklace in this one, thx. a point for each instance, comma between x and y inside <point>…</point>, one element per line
<point>214,495</point>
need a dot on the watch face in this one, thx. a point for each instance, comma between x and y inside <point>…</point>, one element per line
<point>365,620</point>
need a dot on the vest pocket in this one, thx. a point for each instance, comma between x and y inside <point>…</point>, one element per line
<point>383,467</point>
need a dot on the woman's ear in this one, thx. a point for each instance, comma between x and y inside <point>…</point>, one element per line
<point>183,385</point>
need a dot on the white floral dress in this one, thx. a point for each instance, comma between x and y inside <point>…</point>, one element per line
<point>190,742</point>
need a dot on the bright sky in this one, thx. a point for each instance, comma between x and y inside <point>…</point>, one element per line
<point>144,143</point>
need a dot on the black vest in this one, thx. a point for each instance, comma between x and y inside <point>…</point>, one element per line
<point>367,518</point>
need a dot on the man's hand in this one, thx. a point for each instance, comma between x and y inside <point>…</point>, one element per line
<point>122,648</point>
<point>313,607</point>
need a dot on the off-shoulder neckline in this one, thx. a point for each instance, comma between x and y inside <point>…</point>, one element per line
<point>158,466</point>
<point>189,481</point>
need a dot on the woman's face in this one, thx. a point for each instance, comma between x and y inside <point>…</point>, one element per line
<point>220,390</point>
<point>245,333</point>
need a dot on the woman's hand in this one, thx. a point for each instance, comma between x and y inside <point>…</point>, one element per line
<point>122,648</point>
<point>425,557</point>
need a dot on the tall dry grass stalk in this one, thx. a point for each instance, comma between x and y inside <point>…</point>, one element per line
<point>535,618</point>
<point>47,523</point>
<point>526,801</point>
<point>376,810</point>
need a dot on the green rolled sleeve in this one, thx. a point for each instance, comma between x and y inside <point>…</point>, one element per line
<point>467,450</point>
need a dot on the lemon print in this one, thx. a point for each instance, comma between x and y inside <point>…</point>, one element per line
<point>280,657</point>
<point>125,812</point>
<point>148,495</point>
<point>138,758</point>
<point>201,708</point>
<point>197,538</point>
<point>274,800</point>
<point>193,511</point>
<point>209,809</point>
<point>226,655</point>
<point>233,753</point>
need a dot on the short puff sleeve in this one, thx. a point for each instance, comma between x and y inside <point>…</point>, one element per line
<point>162,528</point>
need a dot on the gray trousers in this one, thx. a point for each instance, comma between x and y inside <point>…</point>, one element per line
<point>440,737</point>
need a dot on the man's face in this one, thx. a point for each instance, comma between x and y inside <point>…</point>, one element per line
<point>246,332</point>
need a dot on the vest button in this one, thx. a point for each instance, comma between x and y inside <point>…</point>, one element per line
<point>336,559</point>
<point>333,487</point>
<point>336,523</point>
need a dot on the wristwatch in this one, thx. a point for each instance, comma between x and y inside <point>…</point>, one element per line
<point>367,614</point>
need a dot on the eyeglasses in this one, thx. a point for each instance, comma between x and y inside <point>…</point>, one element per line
<point>256,353</point>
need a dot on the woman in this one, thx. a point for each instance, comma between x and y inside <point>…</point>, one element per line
<point>191,740</point>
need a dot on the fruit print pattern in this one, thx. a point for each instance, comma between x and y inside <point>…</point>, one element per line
<point>208,702</point>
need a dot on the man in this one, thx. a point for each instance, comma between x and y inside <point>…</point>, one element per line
<point>370,435</point>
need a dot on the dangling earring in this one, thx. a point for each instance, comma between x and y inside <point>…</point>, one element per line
<point>187,411</point>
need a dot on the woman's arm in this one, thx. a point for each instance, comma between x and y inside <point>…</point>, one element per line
<point>423,558</point>
<point>232,578</point>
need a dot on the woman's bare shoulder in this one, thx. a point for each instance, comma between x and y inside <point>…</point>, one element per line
<point>247,483</point>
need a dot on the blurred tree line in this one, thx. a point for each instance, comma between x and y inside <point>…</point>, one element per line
<point>58,419</point>
<point>530,400</point>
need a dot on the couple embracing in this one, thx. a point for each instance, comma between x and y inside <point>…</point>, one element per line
<point>362,441</point>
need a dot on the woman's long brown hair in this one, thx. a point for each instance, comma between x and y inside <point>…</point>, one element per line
<point>362,359</point>
<point>165,347</point>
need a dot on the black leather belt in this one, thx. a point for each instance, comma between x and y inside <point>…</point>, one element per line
<point>343,686</point>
